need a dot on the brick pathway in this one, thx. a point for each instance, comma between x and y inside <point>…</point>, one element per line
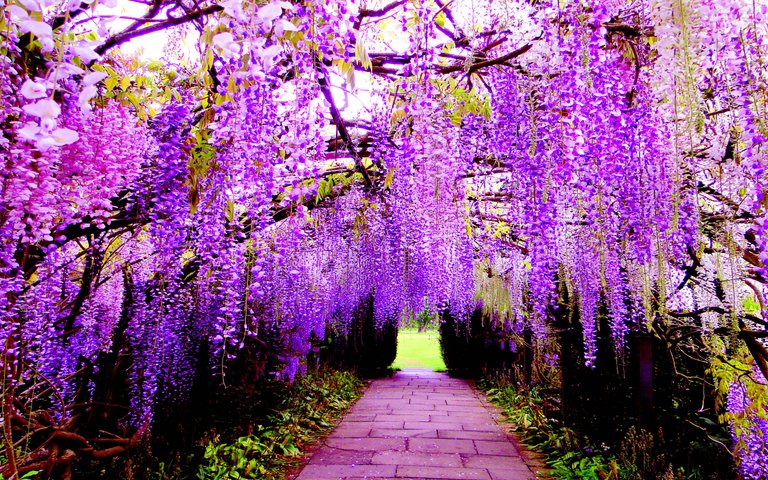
<point>418,425</point>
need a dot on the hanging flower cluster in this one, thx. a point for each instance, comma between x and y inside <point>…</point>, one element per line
<point>594,192</point>
<point>749,425</point>
<point>586,163</point>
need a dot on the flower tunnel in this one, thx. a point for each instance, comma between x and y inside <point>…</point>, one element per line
<point>576,188</point>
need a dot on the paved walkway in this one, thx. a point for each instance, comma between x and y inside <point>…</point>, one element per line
<point>418,425</point>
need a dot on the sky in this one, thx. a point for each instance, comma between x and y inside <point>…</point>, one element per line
<point>353,104</point>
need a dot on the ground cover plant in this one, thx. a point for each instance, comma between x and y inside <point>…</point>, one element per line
<point>573,456</point>
<point>280,183</point>
<point>590,421</point>
<point>261,436</point>
<point>308,409</point>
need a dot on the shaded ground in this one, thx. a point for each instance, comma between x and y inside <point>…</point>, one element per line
<point>419,425</point>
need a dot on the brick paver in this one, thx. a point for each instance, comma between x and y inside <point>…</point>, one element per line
<point>418,425</point>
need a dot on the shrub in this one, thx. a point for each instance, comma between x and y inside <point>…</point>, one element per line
<point>307,409</point>
<point>364,346</point>
<point>476,345</point>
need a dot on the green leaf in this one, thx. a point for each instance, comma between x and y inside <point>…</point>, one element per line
<point>110,83</point>
<point>125,82</point>
<point>230,210</point>
<point>389,178</point>
<point>323,190</point>
<point>361,54</point>
<point>134,99</point>
<point>440,19</point>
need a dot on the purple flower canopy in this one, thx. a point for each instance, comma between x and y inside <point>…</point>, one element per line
<point>426,153</point>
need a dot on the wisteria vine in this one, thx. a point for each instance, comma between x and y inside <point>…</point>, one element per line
<point>608,158</point>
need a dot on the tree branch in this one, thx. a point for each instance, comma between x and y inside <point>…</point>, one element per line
<point>487,63</point>
<point>364,12</point>
<point>127,35</point>
<point>325,88</point>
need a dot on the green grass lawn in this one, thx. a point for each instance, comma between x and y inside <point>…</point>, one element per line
<point>418,350</point>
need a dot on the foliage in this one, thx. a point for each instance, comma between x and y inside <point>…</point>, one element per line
<point>604,160</point>
<point>362,344</point>
<point>423,320</point>
<point>576,466</point>
<point>308,409</point>
<point>569,455</point>
<point>477,344</point>
<point>265,436</point>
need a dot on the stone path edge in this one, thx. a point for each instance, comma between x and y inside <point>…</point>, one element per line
<point>309,450</point>
<point>391,447</point>
<point>534,460</point>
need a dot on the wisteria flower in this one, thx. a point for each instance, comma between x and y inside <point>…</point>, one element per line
<point>283,25</point>
<point>43,109</point>
<point>85,51</point>
<point>29,131</point>
<point>269,12</point>
<point>57,138</point>
<point>86,94</point>
<point>93,78</point>
<point>234,8</point>
<point>33,90</point>
<point>36,28</point>
<point>31,5</point>
<point>268,56</point>
<point>18,12</point>
<point>63,71</point>
<point>226,42</point>
<point>74,5</point>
